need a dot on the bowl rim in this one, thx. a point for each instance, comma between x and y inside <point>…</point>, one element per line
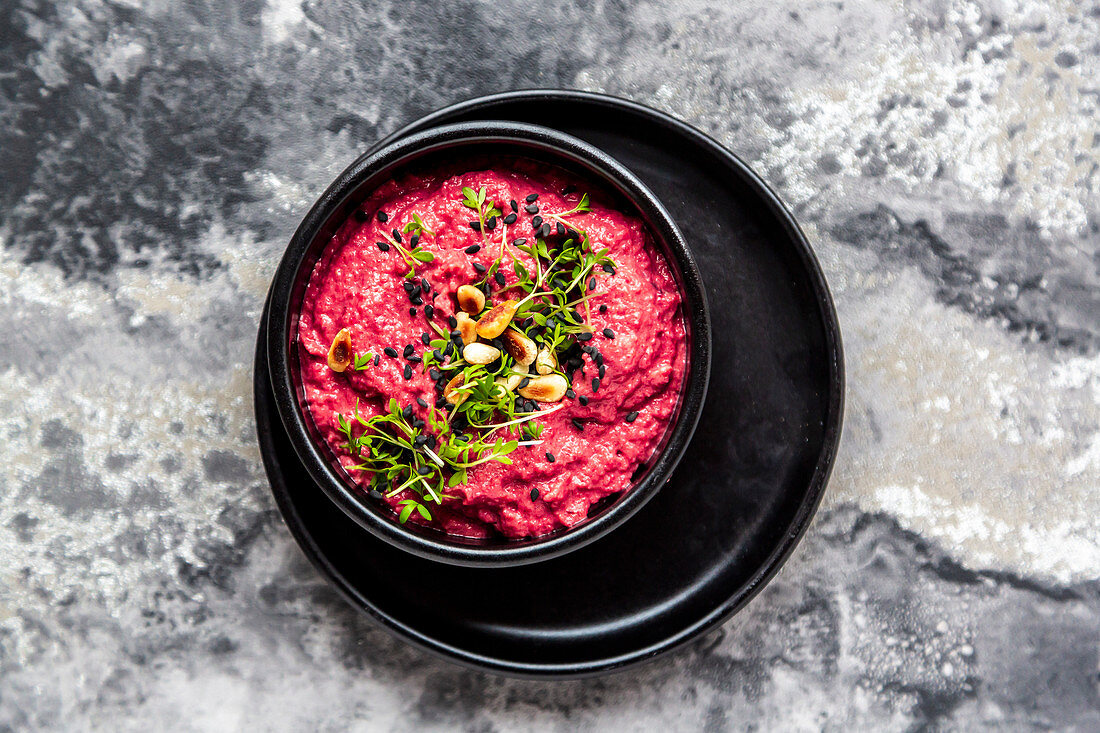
<point>384,160</point>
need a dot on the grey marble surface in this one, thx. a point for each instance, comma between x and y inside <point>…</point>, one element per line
<point>944,159</point>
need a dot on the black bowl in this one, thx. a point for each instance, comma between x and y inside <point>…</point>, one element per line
<point>444,146</point>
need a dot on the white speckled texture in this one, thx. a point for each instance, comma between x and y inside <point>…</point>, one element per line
<point>944,159</point>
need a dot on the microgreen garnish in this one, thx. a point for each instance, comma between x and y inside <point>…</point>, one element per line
<point>412,256</point>
<point>416,226</point>
<point>362,361</point>
<point>476,201</point>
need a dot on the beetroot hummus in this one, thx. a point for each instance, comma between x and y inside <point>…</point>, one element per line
<point>383,302</point>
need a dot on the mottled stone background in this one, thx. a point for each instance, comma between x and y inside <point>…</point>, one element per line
<point>944,158</point>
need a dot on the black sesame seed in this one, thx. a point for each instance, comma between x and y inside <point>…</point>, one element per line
<point>531,208</point>
<point>359,215</point>
<point>544,230</point>
<point>414,240</point>
<point>431,442</point>
<point>584,336</point>
<point>377,359</point>
<point>396,235</point>
<point>382,246</point>
<point>425,338</point>
<point>456,342</point>
<point>416,299</point>
<point>603,309</point>
<point>561,229</point>
<point>475,225</point>
<point>412,312</point>
<point>420,440</point>
<point>440,402</point>
<point>437,354</point>
<point>499,277</point>
<point>519,242</point>
<point>408,371</point>
<point>455,332</point>
<point>409,287</point>
<point>573,234</point>
<point>534,494</point>
<point>390,352</point>
<point>631,416</point>
<point>609,333</point>
<point>375,494</point>
<point>550,457</point>
<point>473,249</point>
<point>452,321</point>
<point>595,384</point>
<point>421,401</point>
<point>514,205</point>
<point>382,216</point>
<point>577,424</point>
<point>429,311</point>
<point>435,374</point>
<point>599,359</point>
<point>480,268</point>
<point>491,223</point>
<point>407,412</point>
<point>424,470</point>
<point>608,268</point>
<point>536,222</point>
<point>570,393</point>
<point>524,382</point>
<point>526,322</point>
<point>408,351</point>
<point>416,359</point>
<point>583,400</point>
<point>450,347</point>
<point>424,286</point>
<point>510,219</point>
<point>603,370</point>
<point>592,284</point>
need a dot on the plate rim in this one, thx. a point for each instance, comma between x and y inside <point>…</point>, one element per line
<point>799,523</point>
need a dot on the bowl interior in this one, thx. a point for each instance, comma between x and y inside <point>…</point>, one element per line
<point>471,149</point>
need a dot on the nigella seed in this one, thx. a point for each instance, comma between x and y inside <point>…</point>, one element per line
<point>527,322</point>
<point>415,359</point>
<point>599,359</point>
<point>412,312</point>
<point>570,393</point>
<point>608,268</point>
<point>359,215</point>
<point>420,440</point>
<point>425,338</point>
<point>550,457</point>
<point>523,383</point>
<point>435,374</point>
<point>519,242</point>
<point>431,442</point>
<point>561,229</point>
<point>499,277</point>
<point>396,235</point>
<point>437,354</point>
<point>390,352</point>
<point>595,384</point>
<point>583,400</point>
<point>456,341</point>
<point>531,208</point>
<point>534,494</point>
<point>409,287</point>
<point>584,336</point>
<point>491,223</point>
<point>383,217</point>
<point>573,234</point>
<point>424,286</point>
<point>473,249</point>
<point>420,401</point>
<point>592,284</point>
<point>416,300</point>
<point>603,370</point>
<point>429,311</point>
<point>480,268</point>
<point>514,205</point>
<point>440,403</point>
<point>631,416</point>
<point>408,374</point>
<point>408,351</point>
<point>510,219</point>
<point>382,246</point>
<point>456,333</point>
<point>424,470</point>
<point>609,333</point>
<point>452,322</point>
<point>414,240</point>
<point>577,424</point>
<point>407,413</point>
<point>603,308</point>
<point>544,230</point>
<point>377,359</point>
<point>475,225</point>
<point>536,222</point>
<point>532,198</point>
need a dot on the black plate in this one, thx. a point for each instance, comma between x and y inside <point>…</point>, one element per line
<point>743,494</point>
